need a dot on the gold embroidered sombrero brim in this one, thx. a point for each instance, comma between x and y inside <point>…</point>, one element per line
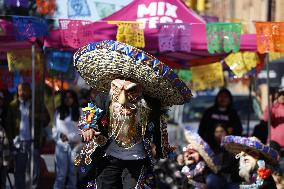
<point>100,63</point>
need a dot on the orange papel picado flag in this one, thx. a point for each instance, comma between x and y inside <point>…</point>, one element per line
<point>270,36</point>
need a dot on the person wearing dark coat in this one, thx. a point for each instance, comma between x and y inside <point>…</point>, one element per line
<point>222,112</point>
<point>3,110</point>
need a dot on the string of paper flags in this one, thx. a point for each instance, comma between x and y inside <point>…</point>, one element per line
<point>44,7</point>
<point>221,38</point>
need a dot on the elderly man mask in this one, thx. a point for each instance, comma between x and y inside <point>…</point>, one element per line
<point>255,161</point>
<point>194,164</point>
<point>247,165</point>
<point>201,163</point>
<point>191,156</point>
<point>128,113</point>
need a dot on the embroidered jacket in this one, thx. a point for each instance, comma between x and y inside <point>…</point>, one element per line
<point>155,133</point>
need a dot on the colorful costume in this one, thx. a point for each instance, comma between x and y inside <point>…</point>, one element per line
<point>208,165</point>
<point>140,87</point>
<point>252,150</point>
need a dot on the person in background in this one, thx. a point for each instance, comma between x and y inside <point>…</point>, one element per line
<point>4,144</point>
<point>67,139</point>
<point>229,165</point>
<point>180,161</point>
<point>3,110</point>
<point>4,156</point>
<point>220,131</point>
<point>84,95</point>
<point>277,174</point>
<point>277,125</point>
<point>19,131</point>
<point>277,118</point>
<point>260,131</point>
<point>201,163</point>
<point>222,112</point>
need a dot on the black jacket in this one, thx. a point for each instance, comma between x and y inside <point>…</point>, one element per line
<point>3,114</point>
<point>212,117</point>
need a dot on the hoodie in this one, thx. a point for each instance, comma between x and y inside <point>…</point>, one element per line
<point>215,115</point>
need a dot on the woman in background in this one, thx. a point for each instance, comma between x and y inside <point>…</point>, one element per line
<point>66,137</point>
<point>4,144</point>
<point>229,164</point>
<point>222,112</point>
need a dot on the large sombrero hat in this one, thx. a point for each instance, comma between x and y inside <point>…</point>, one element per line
<point>203,149</point>
<point>100,63</point>
<point>251,145</point>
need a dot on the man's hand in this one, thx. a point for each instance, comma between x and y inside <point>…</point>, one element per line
<point>89,134</point>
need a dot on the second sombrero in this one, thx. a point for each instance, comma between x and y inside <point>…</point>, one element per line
<point>237,144</point>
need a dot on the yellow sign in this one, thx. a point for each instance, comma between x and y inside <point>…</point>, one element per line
<point>131,33</point>
<point>20,60</point>
<point>241,62</point>
<point>250,59</point>
<point>207,76</point>
<point>236,63</point>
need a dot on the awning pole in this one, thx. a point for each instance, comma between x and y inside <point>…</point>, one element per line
<point>268,97</point>
<point>33,114</point>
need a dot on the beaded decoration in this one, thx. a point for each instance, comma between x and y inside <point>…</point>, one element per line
<point>167,150</point>
<point>89,121</point>
<point>90,116</point>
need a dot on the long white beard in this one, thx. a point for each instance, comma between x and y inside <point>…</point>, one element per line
<point>127,126</point>
<point>246,169</point>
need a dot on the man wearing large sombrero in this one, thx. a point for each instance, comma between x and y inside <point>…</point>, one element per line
<point>201,164</point>
<point>256,160</point>
<point>120,132</point>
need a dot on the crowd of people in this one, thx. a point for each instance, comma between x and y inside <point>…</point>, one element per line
<point>222,120</point>
<point>119,139</point>
<point>217,122</point>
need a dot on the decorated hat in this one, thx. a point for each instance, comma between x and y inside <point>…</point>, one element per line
<point>251,145</point>
<point>101,62</point>
<point>198,144</point>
